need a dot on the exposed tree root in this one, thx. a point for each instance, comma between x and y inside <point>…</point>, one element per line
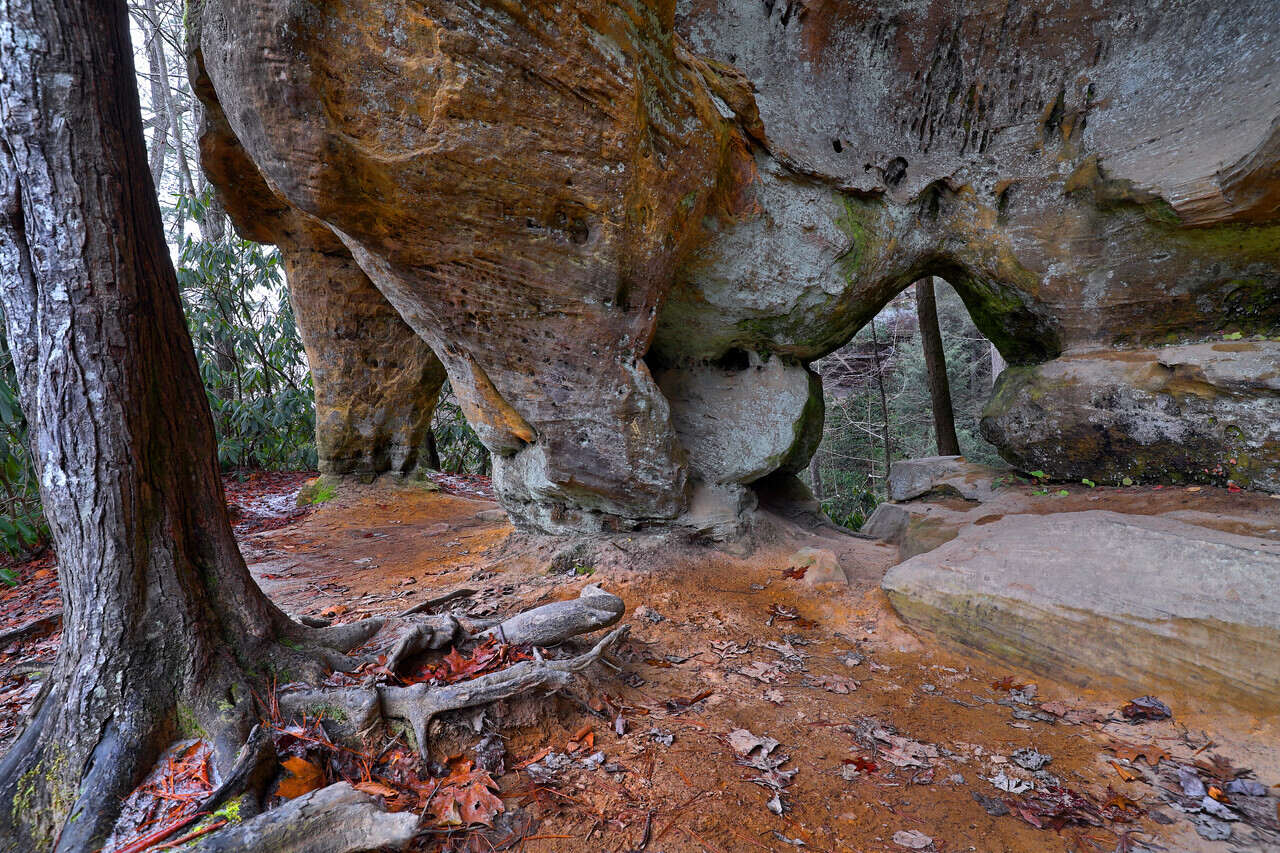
<point>419,703</point>
<point>334,819</point>
<point>339,819</point>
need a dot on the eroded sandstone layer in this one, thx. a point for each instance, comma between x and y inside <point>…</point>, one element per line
<point>376,381</point>
<point>627,227</point>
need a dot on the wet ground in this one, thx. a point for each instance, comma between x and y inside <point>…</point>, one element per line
<point>889,738</point>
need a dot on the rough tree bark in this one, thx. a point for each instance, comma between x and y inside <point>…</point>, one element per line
<point>935,360</point>
<point>164,627</point>
<point>165,631</point>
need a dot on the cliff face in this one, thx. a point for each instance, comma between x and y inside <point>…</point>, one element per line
<point>625,228</point>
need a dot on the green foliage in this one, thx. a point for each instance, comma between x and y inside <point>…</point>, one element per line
<point>850,461</point>
<point>22,525</point>
<point>457,444</point>
<point>323,492</point>
<point>250,356</point>
<point>850,499</point>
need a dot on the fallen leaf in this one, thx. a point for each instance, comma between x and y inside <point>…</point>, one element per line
<point>833,683</point>
<point>1125,773</point>
<point>1010,784</point>
<point>744,742</point>
<point>1130,752</point>
<point>302,777</point>
<point>334,610</point>
<point>1007,683</point>
<point>993,806</point>
<point>851,767</point>
<point>1145,708</point>
<point>795,572</point>
<point>377,789</point>
<point>1029,759</point>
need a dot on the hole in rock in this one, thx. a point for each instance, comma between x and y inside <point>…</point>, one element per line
<point>735,360</point>
<point>877,395</point>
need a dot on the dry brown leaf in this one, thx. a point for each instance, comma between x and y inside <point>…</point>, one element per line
<point>301,777</point>
<point>1131,752</point>
<point>1125,773</point>
<point>377,789</point>
<point>463,805</point>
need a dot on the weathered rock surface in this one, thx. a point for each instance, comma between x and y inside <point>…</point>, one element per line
<point>376,382</point>
<point>911,478</point>
<point>1150,601</point>
<point>560,198</point>
<point>1200,412</point>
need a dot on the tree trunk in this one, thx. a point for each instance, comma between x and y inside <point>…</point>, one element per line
<point>161,618</point>
<point>159,79</point>
<point>997,365</point>
<point>935,360</point>
<point>433,452</point>
<point>884,404</point>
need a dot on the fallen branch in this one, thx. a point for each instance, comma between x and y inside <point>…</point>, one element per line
<point>424,606</point>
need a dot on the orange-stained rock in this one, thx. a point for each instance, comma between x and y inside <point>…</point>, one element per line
<point>376,382</point>
<point>560,197</point>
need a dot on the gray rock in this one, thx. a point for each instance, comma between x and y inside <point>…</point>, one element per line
<point>1147,601</point>
<point>742,421</point>
<point>1204,412</point>
<point>821,566</point>
<point>911,478</point>
<point>887,522</point>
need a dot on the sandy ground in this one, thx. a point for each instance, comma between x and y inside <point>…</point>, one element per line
<point>775,656</point>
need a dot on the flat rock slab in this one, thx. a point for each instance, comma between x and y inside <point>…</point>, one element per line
<point>1097,597</point>
<point>913,478</point>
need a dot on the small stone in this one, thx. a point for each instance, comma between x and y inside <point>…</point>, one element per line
<point>820,565</point>
<point>912,839</point>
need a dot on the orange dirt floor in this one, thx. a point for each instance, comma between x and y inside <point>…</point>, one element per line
<point>890,732</point>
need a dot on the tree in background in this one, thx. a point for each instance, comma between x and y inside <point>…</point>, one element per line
<point>889,358</point>
<point>935,360</point>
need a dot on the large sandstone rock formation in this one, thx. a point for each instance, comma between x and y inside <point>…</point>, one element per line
<point>1153,603</point>
<point>626,227</point>
<point>376,381</point>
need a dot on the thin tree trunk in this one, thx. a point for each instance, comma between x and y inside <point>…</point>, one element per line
<point>159,609</point>
<point>159,79</point>
<point>884,404</point>
<point>815,474</point>
<point>935,360</point>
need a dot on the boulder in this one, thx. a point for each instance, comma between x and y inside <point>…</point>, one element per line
<point>1099,597</point>
<point>820,565</point>
<point>1207,412</point>
<point>744,420</point>
<point>913,478</point>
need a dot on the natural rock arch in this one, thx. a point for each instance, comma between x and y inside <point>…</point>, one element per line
<point>626,228</point>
